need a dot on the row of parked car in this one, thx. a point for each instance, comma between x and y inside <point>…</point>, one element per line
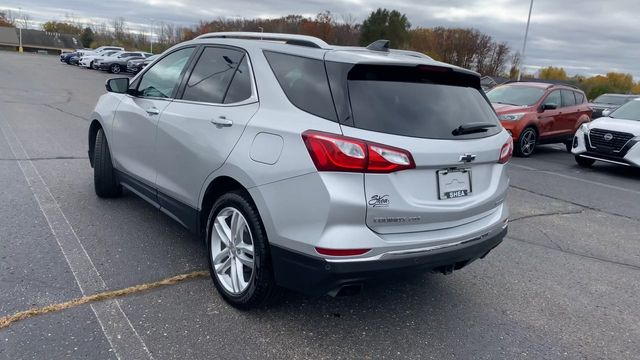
<point>113,59</point>
<point>536,113</point>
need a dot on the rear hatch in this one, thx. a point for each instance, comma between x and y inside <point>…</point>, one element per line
<point>442,118</point>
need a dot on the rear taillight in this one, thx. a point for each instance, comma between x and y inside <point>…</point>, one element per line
<point>331,152</point>
<point>506,152</point>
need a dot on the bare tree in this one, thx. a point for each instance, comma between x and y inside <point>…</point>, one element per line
<point>515,65</point>
<point>118,25</point>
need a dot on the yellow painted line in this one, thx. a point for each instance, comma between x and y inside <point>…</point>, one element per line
<point>5,321</point>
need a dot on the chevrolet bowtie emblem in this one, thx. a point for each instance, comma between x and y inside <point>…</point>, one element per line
<point>467,158</point>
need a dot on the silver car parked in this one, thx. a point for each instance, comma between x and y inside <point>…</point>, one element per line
<point>306,165</point>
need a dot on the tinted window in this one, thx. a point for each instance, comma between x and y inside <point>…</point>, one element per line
<point>579,98</point>
<point>628,111</point>
<point>164,76</point>
<point>305,83</point>
<point>212,74</point>
<point>554,99</point>
<point>417,102</point>
<point>515,95</point>
<point>568,99</point>
<point>240,88</point>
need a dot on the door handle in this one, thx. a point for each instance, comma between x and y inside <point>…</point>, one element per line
<point>221,122</point>
<point>153,111</point>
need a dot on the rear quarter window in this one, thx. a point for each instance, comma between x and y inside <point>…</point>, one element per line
<point>304,82</point>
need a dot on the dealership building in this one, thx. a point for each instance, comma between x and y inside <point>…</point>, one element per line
<point>37,40</point>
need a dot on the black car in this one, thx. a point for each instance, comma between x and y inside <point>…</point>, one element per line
<point>116,64</point>
<point>607,103</point>
<point>134,66</point>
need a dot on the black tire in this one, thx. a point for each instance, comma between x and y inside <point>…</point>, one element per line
<point>104,177</point>
<point>115,69</point>
<point>526,144</point>
<point>262,289</point>
<point>584,162</point>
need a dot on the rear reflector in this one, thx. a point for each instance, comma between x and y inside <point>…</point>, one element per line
<point>506,152</point>
<point>342,252</point>
<point>331,152</point>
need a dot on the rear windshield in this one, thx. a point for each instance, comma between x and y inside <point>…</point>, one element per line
<point>611,100</point>
<point>416,101</point>
<point>515,95</point>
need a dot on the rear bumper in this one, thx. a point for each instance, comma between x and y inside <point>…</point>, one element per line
<point>316,276</point>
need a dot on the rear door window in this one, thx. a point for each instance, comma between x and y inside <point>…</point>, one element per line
<point>417,101</point>
<point>212,75</point>
<point>240,87</point>
<point>568,99</point>
<point>304,82</point>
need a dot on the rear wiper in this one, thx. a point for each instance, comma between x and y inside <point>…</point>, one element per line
<point>472,128</point>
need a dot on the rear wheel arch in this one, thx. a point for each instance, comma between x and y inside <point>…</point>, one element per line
<point>93,132</point>
<point>216,188</point>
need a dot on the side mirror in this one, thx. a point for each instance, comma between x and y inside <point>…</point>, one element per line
<point>549,106</point>
<point>118,85</point>
<point>606,112</point>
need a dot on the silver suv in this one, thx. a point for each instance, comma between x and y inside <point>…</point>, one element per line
<point>306,165</point>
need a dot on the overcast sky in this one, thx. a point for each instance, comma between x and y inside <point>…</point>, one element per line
<point>583,36</point>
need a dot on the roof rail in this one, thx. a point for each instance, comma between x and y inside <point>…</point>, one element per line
<point>549,82</point>
<point>301,40</point>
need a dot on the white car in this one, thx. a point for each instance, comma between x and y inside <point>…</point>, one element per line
<point>87,60</point>
<point>614,139</point>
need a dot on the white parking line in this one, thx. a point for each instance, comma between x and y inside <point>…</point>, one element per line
<point>619,188</point>
<point>122,336</point>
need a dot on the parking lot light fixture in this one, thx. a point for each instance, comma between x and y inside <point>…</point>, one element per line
<point>20,49</point>
<point>524,44</point>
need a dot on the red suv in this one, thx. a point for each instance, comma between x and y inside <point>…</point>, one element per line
<point>539,113</point>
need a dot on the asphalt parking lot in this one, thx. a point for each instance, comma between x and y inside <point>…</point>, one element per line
<point>564,284</point>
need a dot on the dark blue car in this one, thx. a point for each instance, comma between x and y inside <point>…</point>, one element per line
<point>67,57</point>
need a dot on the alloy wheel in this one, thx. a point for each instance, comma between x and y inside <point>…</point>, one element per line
<point>528,142</point>
<point>232,250</point>
<point>115,69</point>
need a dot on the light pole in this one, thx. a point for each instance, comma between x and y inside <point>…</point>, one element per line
<point>524,44</point>
<point>151,30</point>
<point>20,49</point>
